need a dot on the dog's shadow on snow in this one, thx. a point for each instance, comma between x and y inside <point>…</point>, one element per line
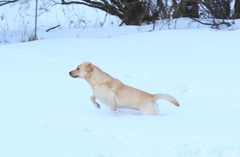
<point>126,112</point>
<point>129,112</point>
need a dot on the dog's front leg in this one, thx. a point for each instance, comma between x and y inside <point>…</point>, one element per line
<point>93,100</point>
<point>112,105</point>
<point>112,102</point>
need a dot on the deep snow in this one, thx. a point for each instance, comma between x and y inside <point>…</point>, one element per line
<point>45,112</point>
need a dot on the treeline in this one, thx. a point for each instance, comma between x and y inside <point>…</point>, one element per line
<point>137,12</point>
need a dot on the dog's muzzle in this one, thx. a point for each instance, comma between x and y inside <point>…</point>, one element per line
<point>70,73</point>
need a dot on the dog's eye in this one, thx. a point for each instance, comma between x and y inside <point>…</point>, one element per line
<point>78,69</point>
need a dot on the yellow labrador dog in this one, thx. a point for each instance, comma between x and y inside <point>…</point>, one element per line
<point>113,93</point>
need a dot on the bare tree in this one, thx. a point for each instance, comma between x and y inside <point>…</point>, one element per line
<point>131,12</point>
<point>176,9</point>
<point>163,10</point>
<point>236,14</point>
<point>189,8</point>
<point>219,9</point>
<point>169,9</point>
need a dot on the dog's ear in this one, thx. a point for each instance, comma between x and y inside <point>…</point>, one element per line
<point>89,67</point>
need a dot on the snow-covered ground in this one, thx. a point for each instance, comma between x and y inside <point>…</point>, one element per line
<point>45,112</point>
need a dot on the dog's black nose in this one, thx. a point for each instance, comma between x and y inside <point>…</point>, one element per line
<point>70,73</point>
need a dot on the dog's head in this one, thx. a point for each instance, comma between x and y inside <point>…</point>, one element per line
<point>82,70</point>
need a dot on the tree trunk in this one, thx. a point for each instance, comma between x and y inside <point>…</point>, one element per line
<point>162,10</point>
<point>137,12</point>
<point>189,9</point>
<point>236,14</point>
<point>176,13</point>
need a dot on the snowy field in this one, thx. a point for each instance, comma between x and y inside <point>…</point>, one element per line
<point>46,113</point>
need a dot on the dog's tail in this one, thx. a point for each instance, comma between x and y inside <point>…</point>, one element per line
<point>166,97</point>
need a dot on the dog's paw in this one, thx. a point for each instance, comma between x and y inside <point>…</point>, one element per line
<point>97,105</point>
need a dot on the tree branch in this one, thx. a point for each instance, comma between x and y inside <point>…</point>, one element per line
<point>7,2</point>
<point>214,24</point>
<point>104,6</point>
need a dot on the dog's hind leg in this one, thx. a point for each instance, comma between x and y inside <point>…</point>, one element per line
<point>93,100</point>
<point>149,109</point>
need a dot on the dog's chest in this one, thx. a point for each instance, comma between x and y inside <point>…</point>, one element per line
<point>103,94</point>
